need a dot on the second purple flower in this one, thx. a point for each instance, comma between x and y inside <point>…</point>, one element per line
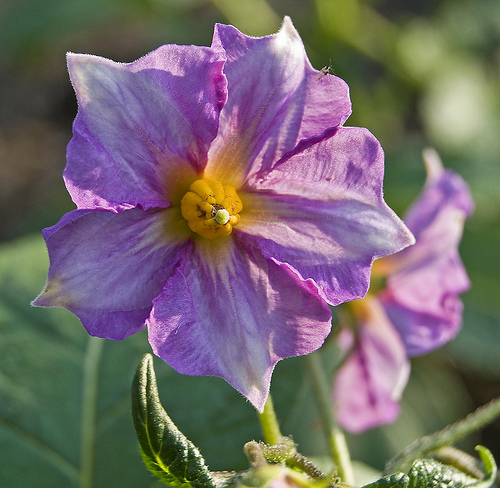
<point>417,310</point>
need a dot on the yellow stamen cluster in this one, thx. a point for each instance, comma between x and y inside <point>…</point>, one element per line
<point>211,208</point>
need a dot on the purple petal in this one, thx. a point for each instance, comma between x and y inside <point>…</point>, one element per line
<point>107,268</point>
<point>139,122</point>
<point>444,190</point>
<point>229,312</point>
<point>369,384</point>
<point>422,330</point>
<point>321,211</point>
<point>275,100</point>
<point>421,295</point>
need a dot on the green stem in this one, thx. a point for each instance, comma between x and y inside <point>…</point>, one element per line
<point>89,411</point>
<point>269,423</point>
<point>301,462</point>
<point>334,436</point>
<point>448,435</point>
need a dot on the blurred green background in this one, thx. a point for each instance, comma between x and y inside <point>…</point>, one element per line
<point>421,73</point>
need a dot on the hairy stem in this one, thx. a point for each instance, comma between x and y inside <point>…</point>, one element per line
<point>450,434</point>
<point>306,466</point>
<point>334,436</point>
<point>269,423</point>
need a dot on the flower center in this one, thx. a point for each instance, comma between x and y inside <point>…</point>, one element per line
<point>211,208</point>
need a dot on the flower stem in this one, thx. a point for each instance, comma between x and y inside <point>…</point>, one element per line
<point>306,466</point>
<point>450,434</point>
<point>89,411</point>
<point>269,423</point>
<point>334,436</point>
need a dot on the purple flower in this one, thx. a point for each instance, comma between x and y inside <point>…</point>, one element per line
<point>371,381</point>
<point>220,203</point>
<point>417,311</point>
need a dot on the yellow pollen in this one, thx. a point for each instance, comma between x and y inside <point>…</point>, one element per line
<point>211,208</point>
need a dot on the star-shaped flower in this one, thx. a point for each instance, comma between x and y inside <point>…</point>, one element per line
<point>221,203</point>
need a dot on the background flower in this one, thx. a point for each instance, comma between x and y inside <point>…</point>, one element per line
<point>416,311</point>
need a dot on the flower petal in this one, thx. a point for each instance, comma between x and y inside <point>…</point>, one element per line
<point>275,100</point>
<point>138,121</point>
<point>321,211</point>
<point>227,311</point>
<point>423,329</point>
<point>107,268</point>
<point>369,384</point>
<point>421,295</point>
<point>444,190</point>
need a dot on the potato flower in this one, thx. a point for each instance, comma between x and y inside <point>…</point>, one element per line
<point>220,203</point>
<point>417,310</point>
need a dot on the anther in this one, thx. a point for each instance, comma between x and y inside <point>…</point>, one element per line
<point>211,208</point>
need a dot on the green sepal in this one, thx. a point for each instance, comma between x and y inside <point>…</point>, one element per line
<point>166,452</point>
<point>428,473</point>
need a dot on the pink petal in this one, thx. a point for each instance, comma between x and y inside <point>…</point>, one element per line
<point>370,382</point>
<point>139,123</point>
<point>229,312</point>
<point>421,295</point>
<point>275,100</point>
<point>322,212</point>
<point>107,268</point>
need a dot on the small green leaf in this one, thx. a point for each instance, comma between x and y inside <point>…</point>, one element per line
<point>166,452</point>
<point>428,473</point>
<point>396,480</point>
<point>490,468</point>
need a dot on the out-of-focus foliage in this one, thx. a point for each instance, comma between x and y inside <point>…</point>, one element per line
<point>425,473</point>
<point>421,73</point>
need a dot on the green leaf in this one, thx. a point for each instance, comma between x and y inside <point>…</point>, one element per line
<point>396,480</point>
<point>490,468</point>
<point>167,453</point>
<point>428,473</point>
